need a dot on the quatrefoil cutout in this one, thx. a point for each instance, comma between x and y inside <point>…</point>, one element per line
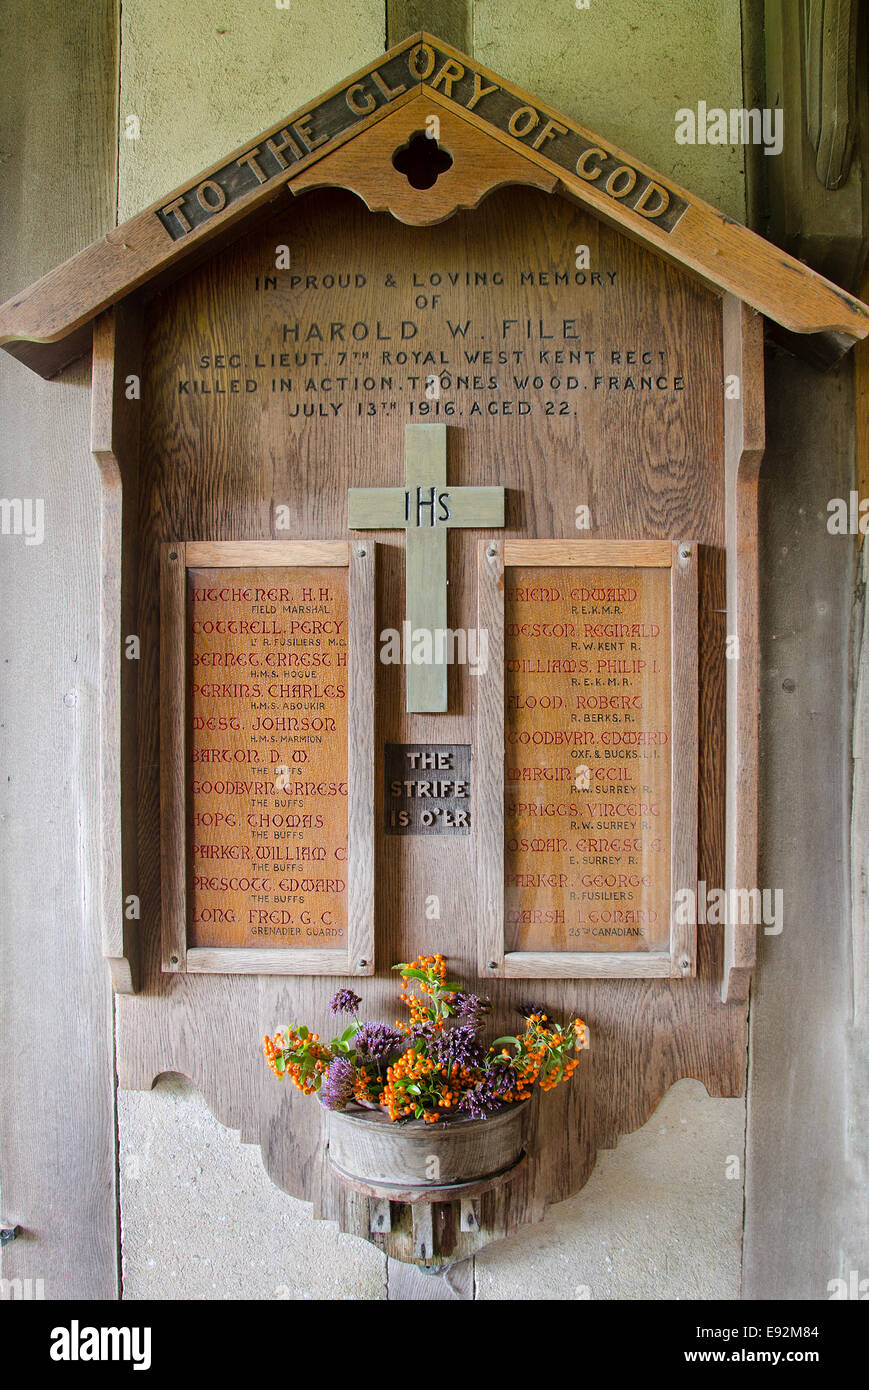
<point>422,160</point>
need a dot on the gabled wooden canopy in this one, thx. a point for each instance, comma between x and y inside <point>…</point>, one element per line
<point>496,134</point>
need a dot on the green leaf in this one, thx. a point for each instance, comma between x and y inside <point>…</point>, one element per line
<point>400,966</point>
<point>414,974</point>
<point>349,1033</point>
<point>302,1031</point>
<point>414,1089</point>
<point>505,1040</point>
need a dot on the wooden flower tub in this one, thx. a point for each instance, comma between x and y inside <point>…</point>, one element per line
<point>413,1160</point>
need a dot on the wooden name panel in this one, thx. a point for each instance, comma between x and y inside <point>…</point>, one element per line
<point>267,667</point>
<point>588,739</point>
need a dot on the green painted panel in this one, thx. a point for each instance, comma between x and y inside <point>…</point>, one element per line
<point>624,70</point>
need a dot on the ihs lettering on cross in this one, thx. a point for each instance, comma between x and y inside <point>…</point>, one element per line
<point>426,509</point>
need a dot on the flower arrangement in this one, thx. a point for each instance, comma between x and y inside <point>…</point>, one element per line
<point>435,1066</point>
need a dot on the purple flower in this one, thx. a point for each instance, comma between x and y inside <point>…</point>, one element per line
<point>527,1009</point>
<point>377,1041</point>
<point>457,1046</point>
<point>344,1002</point>
<point>421,1031</point>
<point>337,1088</point>
<point>470,1008</point>
<point>484,1098</point>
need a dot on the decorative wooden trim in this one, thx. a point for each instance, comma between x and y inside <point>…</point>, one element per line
<point>115,446</point>
<point>262,554</point>
<point>256,960</point>
<point>360,758</point>
<point>648,554</point>
<point>56,310</point>
<point>359,555</point>
<point>490,761</point>
<point>684,746</point>
<point>593,965</point>
<point>861,387</point>
<point>480,166</point>
<point>744,433</point>
<point>173,754</point>
<point>680,961</point>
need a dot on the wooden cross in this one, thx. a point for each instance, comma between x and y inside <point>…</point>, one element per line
<point>425,508</point>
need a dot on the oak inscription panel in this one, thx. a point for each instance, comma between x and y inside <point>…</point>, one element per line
<point>268,756</point>
<point>587,747</point>
<point>587,773</point>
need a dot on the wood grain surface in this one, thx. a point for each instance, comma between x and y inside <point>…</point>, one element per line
<point>267,838</point>
<point>115,419</point>
<point>582,906</point>
<point>744,444</point>
<point>648,462</point>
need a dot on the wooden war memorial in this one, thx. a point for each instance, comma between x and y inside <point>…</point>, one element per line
<point>428,427</point>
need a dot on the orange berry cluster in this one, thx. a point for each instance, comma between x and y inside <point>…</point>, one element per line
<point>420,1011</point>
<point>286,1048</point>
<point>439,1089</point>
<point>542,1056</point>
<point>273,1048</point>
<point>363,1090</point>
<point>411,1068</point>
<point>551,1079</point>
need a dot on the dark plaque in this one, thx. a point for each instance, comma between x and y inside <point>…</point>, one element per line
<point>427,788</point>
